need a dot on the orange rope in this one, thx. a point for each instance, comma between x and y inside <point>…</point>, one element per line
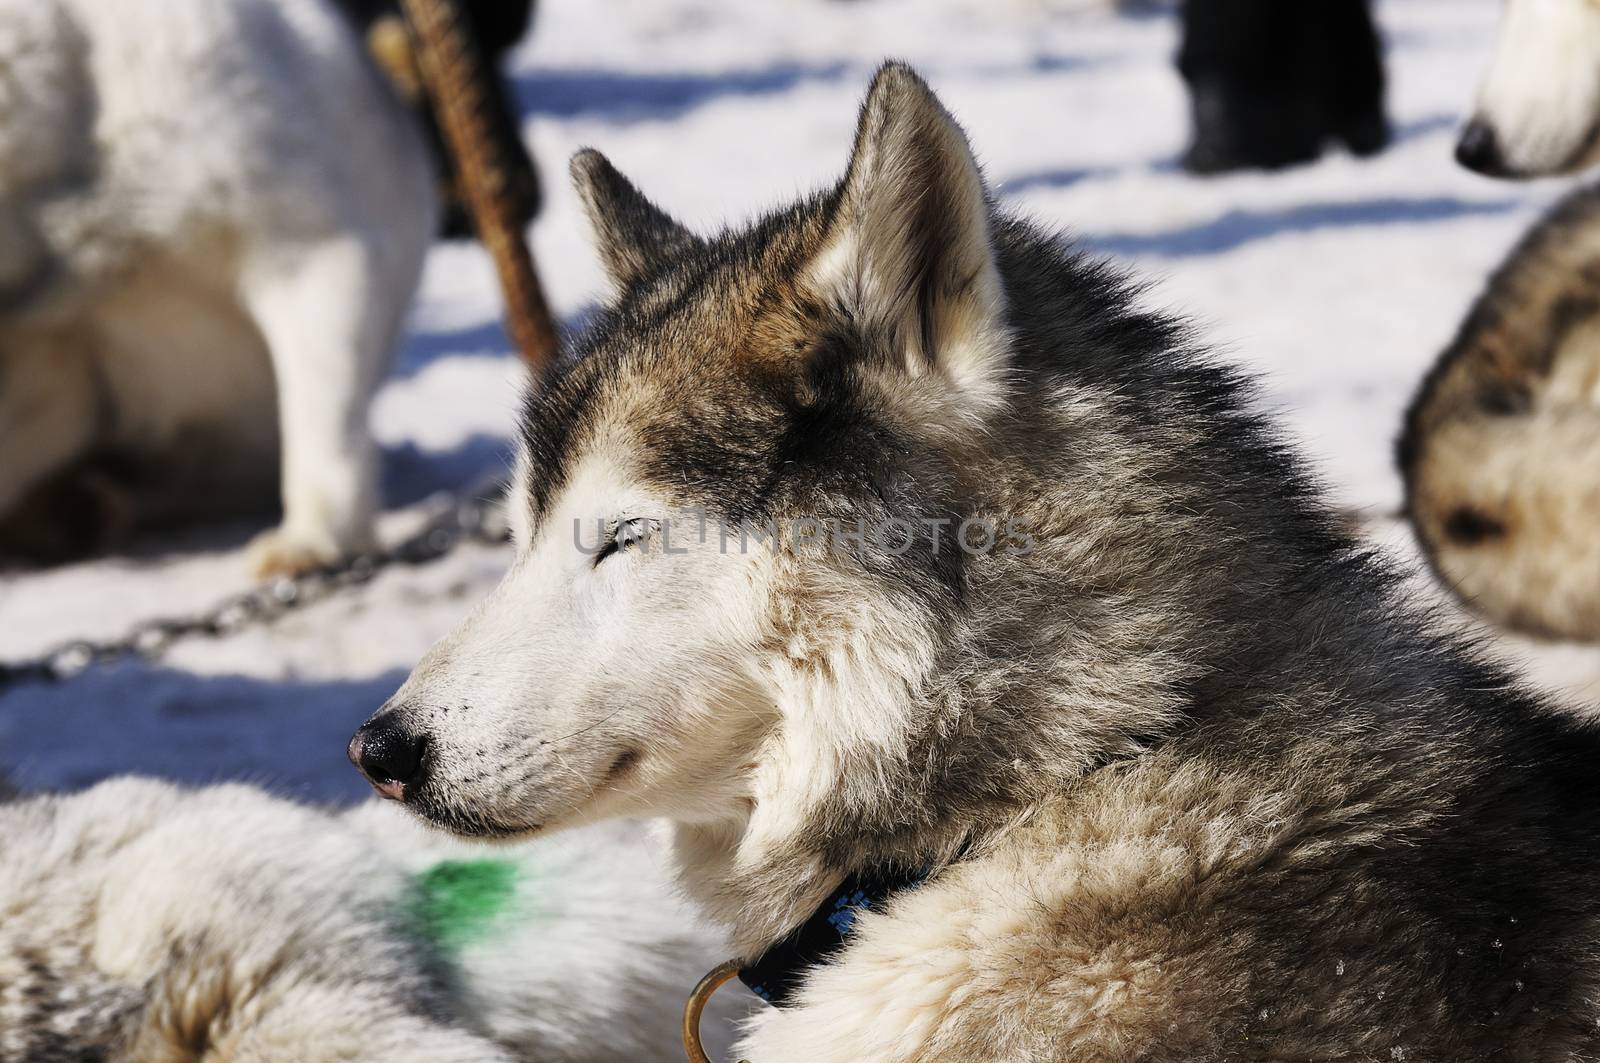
<point>455,78</point>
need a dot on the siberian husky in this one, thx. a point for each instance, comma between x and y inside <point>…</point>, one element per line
<point>1012,691</point>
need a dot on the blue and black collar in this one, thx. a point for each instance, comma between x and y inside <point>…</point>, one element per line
<point>778,972</point>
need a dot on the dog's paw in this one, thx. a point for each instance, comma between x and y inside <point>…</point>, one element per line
<point>283,552</point>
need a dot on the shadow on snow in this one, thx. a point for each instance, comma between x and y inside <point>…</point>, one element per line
<point>639,96</point>
<point>286,735</point>
<point>1239,227</point>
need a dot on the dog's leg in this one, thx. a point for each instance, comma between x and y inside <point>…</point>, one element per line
<point>48,411</point>
<point>329,322</point>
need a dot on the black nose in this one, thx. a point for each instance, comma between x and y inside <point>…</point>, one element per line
<point>388,754</point>
<point>1479,151</point>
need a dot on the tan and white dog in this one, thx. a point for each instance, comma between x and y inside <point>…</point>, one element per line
<point>1500,451</point>
<point>213,214</point>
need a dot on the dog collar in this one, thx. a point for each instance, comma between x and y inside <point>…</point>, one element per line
<point>776,974</point>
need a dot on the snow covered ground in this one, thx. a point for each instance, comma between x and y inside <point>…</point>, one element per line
<point>1338,283</point>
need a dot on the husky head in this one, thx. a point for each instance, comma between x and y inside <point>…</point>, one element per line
<point>775,535</point>
<point>680,594</point>
<point>1538,110</point>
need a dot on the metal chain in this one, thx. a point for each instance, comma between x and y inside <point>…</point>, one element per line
<point>473,517</point>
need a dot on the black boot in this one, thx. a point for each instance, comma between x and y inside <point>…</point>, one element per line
<point>1271,81</point>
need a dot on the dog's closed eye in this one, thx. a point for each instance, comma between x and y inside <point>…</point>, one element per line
<point>626,534</point>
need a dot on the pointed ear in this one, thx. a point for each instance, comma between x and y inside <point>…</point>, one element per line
<point>634,236</point>
<point>909,254</point>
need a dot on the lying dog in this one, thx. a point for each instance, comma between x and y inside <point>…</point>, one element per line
<point>147,922</point>
<point>1014,694</point>
<point>1501,448</point>
<point>213,214</point>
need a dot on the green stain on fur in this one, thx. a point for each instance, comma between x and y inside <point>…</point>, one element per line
<point>459,901</point>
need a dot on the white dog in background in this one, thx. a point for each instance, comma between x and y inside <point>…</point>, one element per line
<point>213,214</point>
<point>1538,109</point>
<point>142,921</point>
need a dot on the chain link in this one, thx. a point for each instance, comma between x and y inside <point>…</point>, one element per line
<point>473,517</point>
